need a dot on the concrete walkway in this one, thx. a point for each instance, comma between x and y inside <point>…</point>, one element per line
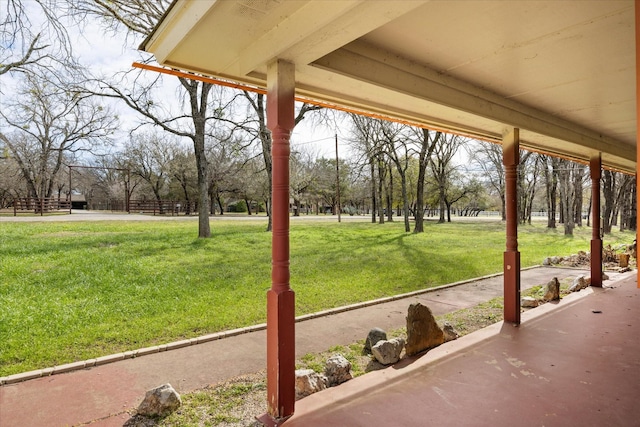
<point>101,394</point>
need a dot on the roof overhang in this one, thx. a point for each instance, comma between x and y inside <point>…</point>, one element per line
<point>562,72</point>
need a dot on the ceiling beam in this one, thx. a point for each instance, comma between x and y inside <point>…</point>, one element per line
<point>315,30</point>
<point>367,64</point>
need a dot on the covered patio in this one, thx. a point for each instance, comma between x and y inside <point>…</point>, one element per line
<point>576,363</point>
<point>548,76</point>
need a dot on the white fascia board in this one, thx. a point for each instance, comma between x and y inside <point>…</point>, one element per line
<point>175,26</point>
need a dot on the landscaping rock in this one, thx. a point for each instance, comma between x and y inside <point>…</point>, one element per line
<point>422,330</point>
<point>337,370</point>
<point>140,421</point>
<point>551,290</point>
<point>388,352</point>
<point>308,382</point>
<point>450,334</point>
<point>375,335</point>
<point>578,284</point>
<point>528,302</point>
<point>160,402</point>
<point>623,260</point>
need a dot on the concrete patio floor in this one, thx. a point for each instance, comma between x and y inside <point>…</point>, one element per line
<point>574,363</point>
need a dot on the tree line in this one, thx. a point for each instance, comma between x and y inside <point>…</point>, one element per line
<point>208,146</point>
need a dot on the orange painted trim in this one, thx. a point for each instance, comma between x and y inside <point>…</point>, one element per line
<point>261,90</point>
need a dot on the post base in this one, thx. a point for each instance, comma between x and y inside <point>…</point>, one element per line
<point>281,377</point>
<point>596,263</point>
<point>512,287</point>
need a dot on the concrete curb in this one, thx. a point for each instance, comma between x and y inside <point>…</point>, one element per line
<point>74,366</point>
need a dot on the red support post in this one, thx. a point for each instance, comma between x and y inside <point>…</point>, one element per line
<point>511,158</point>
<point>280,298</point>
<point>595,166</point>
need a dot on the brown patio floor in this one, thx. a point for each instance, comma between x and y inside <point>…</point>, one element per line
<point>576,363</point>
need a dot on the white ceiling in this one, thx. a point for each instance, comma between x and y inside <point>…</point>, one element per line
<point>561,71</point>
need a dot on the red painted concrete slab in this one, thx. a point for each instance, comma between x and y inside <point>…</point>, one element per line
<point>573,364</point>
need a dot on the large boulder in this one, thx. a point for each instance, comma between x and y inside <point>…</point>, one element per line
<point>375,335</point>
<point>551,290</point>
<point>160,402</point>
<point>388,352</point>
<point>337,370</point>
<point>578,284</point>
<point>308,382</point>
<point>423,331</point>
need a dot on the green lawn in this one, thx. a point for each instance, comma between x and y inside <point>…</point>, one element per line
<point>74,291</point>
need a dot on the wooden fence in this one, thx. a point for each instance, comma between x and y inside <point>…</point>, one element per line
<point>40,205</point>
<point>162,207</point>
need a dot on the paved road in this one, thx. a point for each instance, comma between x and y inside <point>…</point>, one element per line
<point>83,215</point>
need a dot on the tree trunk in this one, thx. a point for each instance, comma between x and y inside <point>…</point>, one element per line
<point>441,194</point>
<point>419,207</point>
<point>551,185</point>
<point>381,175</point>
<point>199,114</point>
<point>567,196</point>
<point>265,140</point>
<point>374,202</point>
<point>426,150</point>
<point>608,190</point>
<point>405,204</point>
<point>296,203</point>
<point>390,196</point>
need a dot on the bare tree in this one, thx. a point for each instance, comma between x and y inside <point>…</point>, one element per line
<point>529,169</point>
<point>566,173</point>
<point>427,142</point>
<point>367,144</point>
<point>182,169</point>
<point>396,146</point>
<point>549,167</point>
<point>303,176</point>
<point>614,188</point>
<point>258,129</point>
<point>442,168</point>
<point>149,156</point>
<point>250,181</point>
<point>139,18</point>
<point>488,157</point>
<point>222,168</point>
<point>50,122</point>
<point>628,206</point>
<point>11,183</point>
<point>33,37</point>
<point>34,40</point>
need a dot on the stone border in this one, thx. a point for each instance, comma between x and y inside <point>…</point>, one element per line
<point>103,360</point>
